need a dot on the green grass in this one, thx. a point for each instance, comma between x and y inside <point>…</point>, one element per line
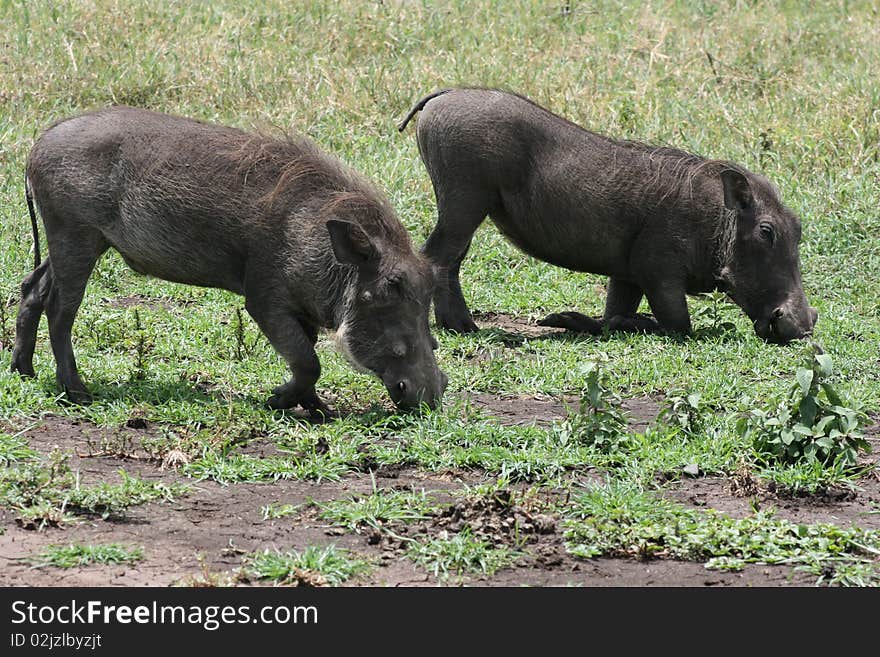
<point>378,509</point>
<point>276,511</point>
<point>73,555</point>
<point>46,491</point>
<point>313,566</point>
<point>234,468</point>
<point>619,520</point>
<point>459,554</point>
<point>780,87</point>
<point>110,499</point>
<point>14,448</point>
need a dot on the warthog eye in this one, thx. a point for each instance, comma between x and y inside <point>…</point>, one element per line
<point>767,232</point>
<point>366,296</point>
<point>395,287</point>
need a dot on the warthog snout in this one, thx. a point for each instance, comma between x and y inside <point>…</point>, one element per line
<point>409,394</point>
<point>790,321</point>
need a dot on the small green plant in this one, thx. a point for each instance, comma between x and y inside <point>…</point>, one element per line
<point>598,421</point>
<point>714,314</point>
<point>43,513</point>
<point>276,511</point>
<point>69,556</point>
<point>7,328</point>
<point>14,448</point>
<point>243,348</point>
<point>459,554</point>
<point>48,492</point>
<point>228,468</point>
<point>143,346</point>
<point>810,423</point>
<point>810,476</point>
<point>35,490</point>
<point>113,499</point>
<point>622,520</point>
<point>683,410</point>
<point>377,510</point>
<point>314,566</point>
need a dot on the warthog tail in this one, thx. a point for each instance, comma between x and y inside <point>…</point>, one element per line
<point>418,107</point>
<point>29,197</point>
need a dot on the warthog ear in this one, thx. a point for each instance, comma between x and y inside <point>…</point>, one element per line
<point>351,245</point>
<point>737,191</point>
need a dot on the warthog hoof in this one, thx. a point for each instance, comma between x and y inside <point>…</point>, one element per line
<point>23,367</point>
<point>80,396</point>
<point>284,398</point>
<point>572,321</point>
<point>457,323</point>
<point>638,323</point>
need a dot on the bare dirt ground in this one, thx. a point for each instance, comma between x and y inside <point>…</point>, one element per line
<point>201,537</point>
<point>208,530</point>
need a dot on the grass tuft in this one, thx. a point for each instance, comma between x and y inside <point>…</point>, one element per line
<point>314,566</point>
<point>73,555</point>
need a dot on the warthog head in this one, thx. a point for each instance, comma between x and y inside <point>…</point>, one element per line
<point>759,265</point>
<point>385,324</point>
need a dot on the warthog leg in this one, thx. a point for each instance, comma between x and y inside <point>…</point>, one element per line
<point>621,305</point>
<point>74,254</point>
<point>668,302</point>
<point>458,217</point>
<point>34,290</point>
<point>620,313</point>
<point>296,344</point>
<point>572,321</point>
<point>637,323</point>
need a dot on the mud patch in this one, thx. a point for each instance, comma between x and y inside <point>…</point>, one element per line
<point>507,519</point>
<point>199,536</point>
<point>517,328</point>
<point>141,301</point>
<point>544,410</point>
<point>503,518</point>
<point>523,410</point>
<point>202,537</point>
<point>739,495</point>
<point>632,573</point>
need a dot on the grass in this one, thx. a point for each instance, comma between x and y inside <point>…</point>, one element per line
<point>276,511</point>
<point>73,555</point>
<point>14,448</point>
<point>46,491</point>
<point>786,92</point>
<point>314,566</point>
<point>377,510</point>
<point>619,520</point>
<point>459,554</point>
<point>235,468</point>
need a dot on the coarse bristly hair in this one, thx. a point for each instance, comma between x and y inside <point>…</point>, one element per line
<point>299,169</point>
<point>670,164</point>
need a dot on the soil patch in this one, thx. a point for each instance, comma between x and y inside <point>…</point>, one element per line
<point>738,495</point>
<point>516,327</point>
<point>202,536</point>
<point>153,303</point>
<point>206,530</point>
<point>543,410</point>
<point>139,300</point>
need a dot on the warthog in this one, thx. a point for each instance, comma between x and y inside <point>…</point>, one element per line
<point>308,242</point>
<point>659,222</point>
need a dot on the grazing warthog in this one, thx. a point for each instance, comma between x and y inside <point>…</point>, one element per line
<point>308,242</point>
<point>658,221</point>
